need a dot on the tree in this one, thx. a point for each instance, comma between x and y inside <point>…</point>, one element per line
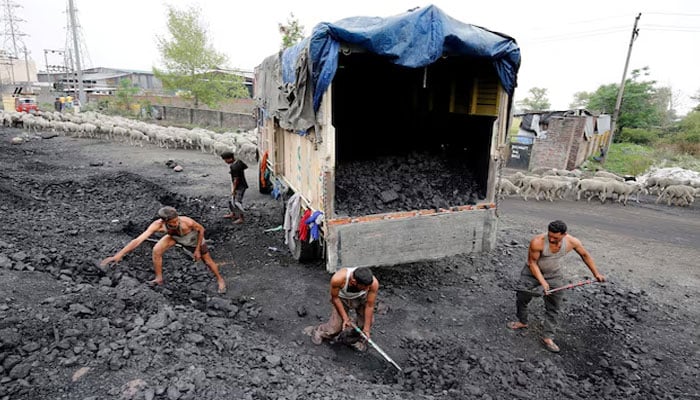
<point>537,101</point>
<point>581,99</point>
<point>696,97</point>
<point>125,94</point>
<point>192,65</point>
<point>292,32</point>
<point>643,105</point>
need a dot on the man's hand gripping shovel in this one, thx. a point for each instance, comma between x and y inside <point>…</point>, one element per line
<point>371,343</point>
<point>539,292</point>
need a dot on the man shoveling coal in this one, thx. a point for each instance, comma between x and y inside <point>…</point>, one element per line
<point>351,289</point>
<point>543,270</point>
<point>179,230</point>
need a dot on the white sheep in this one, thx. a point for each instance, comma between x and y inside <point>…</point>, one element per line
<point>506,188</point>
<point>678,194</point>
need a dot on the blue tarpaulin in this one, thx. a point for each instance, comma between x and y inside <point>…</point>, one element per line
<point>412,39</point>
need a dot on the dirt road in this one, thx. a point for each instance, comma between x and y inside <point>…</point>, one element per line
<point>69,330</point>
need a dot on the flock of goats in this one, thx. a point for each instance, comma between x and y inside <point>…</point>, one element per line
<point>95,125</point>
<point>560,184</point>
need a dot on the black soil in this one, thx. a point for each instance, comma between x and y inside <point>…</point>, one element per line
<point>69,329</point>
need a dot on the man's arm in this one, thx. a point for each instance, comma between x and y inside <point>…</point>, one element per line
<point>587,259</point>
<point>533,255</point>
<point>369,306</point>
<point>153,228</point>
<point>337,282</point>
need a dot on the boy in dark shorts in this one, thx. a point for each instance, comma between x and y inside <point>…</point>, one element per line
<point>238,186</point>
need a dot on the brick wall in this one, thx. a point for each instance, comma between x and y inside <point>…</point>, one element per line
<point>207,118</point>
<point>564,137</point>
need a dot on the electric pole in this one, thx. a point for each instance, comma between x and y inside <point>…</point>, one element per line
<point>618,103</point>
<point>76,53</point>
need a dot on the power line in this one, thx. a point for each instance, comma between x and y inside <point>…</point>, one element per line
<point>579,35</point>
<point>673,14</point>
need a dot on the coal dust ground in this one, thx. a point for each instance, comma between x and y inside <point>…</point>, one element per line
<point>69,330</point>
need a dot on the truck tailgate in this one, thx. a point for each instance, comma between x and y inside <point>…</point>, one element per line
<point>391,241</point>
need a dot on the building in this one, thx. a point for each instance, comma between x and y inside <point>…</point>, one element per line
<point>101,80</point>
<point>558,139</point>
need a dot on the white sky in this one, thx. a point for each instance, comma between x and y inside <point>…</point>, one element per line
<point>566,46</point>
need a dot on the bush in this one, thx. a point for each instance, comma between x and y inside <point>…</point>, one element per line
<point>638,136</point>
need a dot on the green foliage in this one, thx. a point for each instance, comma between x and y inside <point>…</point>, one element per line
<point>292,32</point>
<point>537,101</point>
<point>190,62</point>
<point>690,126</point>
<point>581,100</point>
<point>634,159</point>
<point>643,104</point>
<point>637,136</point>
<point>125,94</point>
<point>629,159</point>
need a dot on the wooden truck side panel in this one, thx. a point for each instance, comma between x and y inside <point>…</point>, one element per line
<point>304,162</point>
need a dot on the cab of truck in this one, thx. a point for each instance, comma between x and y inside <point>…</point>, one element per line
<point>26,104</point>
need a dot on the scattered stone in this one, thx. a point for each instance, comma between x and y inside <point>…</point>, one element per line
<point>178,168</point>
<point>17,140</point>
<point>79,309</point>
<point>48,135</point>
<point>20,371</point>
<point>301,311</point>
<point>96,163</point>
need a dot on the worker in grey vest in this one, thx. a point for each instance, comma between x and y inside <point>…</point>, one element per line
<point>351,289</point>
<point>543,270</point>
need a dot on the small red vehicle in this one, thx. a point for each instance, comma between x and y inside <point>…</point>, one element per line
<point>26,104</point>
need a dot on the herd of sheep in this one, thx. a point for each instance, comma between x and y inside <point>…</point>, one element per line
<point>95,125</point>
<point>549,184</point>
<point>560,184</point>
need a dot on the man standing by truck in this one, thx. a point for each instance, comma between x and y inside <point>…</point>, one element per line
<point>351,288</point>
<point>543,269</point>
<point>238,186</point>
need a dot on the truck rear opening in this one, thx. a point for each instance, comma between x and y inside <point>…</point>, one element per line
<point>390,131</point>
<point>407,138</point>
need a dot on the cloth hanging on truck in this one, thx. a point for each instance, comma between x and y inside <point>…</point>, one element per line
<point>291,220</point>
<point>303,227</point>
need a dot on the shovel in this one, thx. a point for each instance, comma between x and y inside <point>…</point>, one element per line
<point>539,292</point>
<point>379,350</point>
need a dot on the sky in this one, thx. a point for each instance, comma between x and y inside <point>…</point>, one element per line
<point>566,46</point>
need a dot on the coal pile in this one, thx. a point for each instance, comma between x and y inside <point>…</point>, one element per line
<point>403,183</point>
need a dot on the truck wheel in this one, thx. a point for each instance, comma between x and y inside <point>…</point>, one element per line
<point>305,251</point>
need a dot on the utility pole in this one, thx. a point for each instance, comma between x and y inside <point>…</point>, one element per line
<point>618,103</point>
<point>26,67</point>
<point>74,28</point>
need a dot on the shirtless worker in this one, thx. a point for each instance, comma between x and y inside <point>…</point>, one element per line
<point>178,229</point>
<point>351,288</point>
<point>543,269</point>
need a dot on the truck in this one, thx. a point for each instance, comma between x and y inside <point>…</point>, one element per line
<point>397,94</point>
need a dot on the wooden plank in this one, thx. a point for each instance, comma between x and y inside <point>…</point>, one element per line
<point>404,240</point>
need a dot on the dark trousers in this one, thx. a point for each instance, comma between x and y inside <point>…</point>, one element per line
<point>552,302</point>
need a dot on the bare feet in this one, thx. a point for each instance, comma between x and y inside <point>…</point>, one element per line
<point>516,325</point>
<point>550,345</point>
<point>238,221</point>
<point>230,216</point>
<point>222,287</point>
<point>155,282</point>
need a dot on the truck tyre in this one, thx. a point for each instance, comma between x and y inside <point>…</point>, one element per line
<point>305,251</point>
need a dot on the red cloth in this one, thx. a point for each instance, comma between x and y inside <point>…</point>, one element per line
<point>303,228</point>
<point>263,168</point>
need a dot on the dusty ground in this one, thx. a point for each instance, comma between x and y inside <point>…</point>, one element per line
<point>443,322</point>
